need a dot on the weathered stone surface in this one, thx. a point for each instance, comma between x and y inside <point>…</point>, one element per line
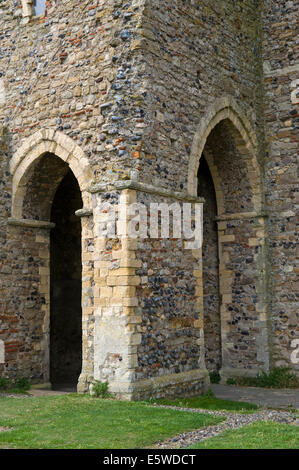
<point>129,96</point>
<point>281,170</point>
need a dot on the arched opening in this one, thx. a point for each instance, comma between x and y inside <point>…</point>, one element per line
<point>233,261</point>
<point>51,194</point>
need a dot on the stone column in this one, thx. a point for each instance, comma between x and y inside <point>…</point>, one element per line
<point>128,303</point>
<point>87,301</point>
<point>116,305</point>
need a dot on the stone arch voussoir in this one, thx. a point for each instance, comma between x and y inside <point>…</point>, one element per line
<point>54,142</point>
<point>226,108</point>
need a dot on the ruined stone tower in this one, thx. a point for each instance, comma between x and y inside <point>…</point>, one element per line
<point>147,101</point>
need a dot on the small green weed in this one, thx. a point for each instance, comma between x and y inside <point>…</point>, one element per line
<point>215,377</point>
<point>18,386</point>
<point>100,389</point>
<point>278,377</point>
<point>22,384</point>
<point>4,383</point>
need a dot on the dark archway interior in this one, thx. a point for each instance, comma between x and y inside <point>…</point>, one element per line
<point>212,326</point>
<point>66,313</point>
<point>234,291</point>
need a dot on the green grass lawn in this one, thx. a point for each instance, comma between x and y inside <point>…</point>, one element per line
<point>81,422</point>
<point>261,435</point>
<point>209,402</point>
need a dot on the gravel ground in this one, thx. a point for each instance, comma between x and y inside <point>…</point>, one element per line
<point>14,395</point>
<point>233,421</point>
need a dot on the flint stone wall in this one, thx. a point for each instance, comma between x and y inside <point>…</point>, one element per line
<point>130,85</point>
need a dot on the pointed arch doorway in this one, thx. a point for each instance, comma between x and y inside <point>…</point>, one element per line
<point>65,286</point>
<point>49,185</point>
<point>224,170</point>
<point>52,194</point>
